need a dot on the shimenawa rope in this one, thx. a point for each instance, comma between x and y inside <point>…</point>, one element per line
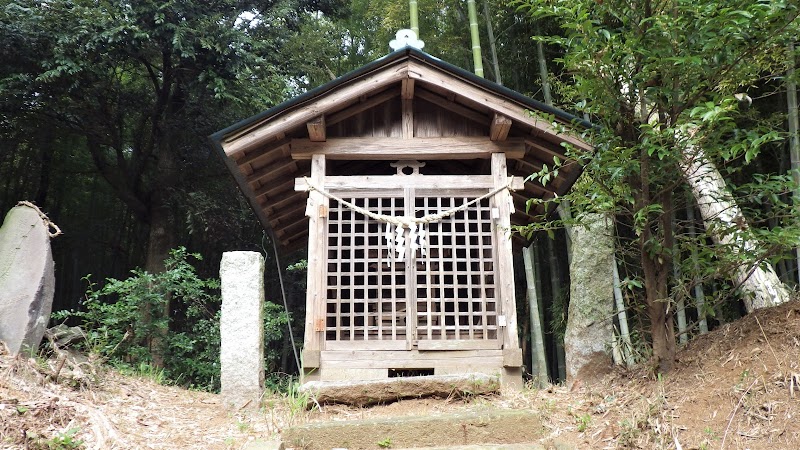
<point>405,221</point>
<point>50,225</point>
<point>415,225</point>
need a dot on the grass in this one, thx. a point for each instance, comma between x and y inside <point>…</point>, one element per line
<point>144,370</point>
<point>583,422</point>
<point>61,441</point>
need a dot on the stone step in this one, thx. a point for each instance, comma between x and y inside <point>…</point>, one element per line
<point>496,427</point>
<point>524,446</point>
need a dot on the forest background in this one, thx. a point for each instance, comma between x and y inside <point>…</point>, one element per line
<point>106,105</point>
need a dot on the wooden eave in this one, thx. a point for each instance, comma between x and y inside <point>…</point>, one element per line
<point>267,152</point>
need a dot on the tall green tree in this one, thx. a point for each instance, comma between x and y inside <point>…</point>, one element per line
<point>135,87</point>
<point>648,72</point>
<point>137,83</point>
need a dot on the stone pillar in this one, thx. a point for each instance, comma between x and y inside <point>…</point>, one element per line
<point>27,279</point>
<point>591,307</point>
<point>242,328</point>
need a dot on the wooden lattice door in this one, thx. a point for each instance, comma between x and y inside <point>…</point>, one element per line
<point>442,298</point>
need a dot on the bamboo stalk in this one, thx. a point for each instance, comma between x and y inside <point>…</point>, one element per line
<point>414,13</point>
<point>699,295</point>
<point>555,287</point>
<point>538,358</point>
<point>622,317</point>
<point>475,37</point>
<point>543,74</point>
<point>794,138</point>
<point>492,44</point>
<point>680,311</point>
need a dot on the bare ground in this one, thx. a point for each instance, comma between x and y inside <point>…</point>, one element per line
<point>735,388</point>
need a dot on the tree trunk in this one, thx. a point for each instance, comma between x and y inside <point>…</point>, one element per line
<point>661,324</point>
<point>161,239</point>
<point>720,212</point>
<point>589,324</point>
<point>655,258</point>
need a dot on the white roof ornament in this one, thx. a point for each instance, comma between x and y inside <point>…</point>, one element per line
<point>406,38</point>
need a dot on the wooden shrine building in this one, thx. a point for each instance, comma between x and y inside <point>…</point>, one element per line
<point>403,179</point>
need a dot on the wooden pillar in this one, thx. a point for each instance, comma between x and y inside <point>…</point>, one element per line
<point>504,272</point>
<point>317,212</point>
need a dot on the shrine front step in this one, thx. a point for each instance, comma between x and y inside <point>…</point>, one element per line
<point>492,428</point>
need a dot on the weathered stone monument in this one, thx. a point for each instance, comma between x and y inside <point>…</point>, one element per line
<point>27,277</point>
<point>242,328</point>
<point>589,325</point>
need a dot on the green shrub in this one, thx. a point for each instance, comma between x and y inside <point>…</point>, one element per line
<point>125,319</point>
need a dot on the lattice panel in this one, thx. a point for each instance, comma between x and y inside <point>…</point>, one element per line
<point>366,291</point>
<point>455,285</point>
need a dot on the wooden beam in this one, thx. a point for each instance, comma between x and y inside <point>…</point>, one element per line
<point>284,201</point>
<point>553,185</point>
<point>364,105</point>
<point>273,149</point>
<point>508,108</point>
<point>316,129</point>
<point>291,229</point>
<point>271,171</point>
<point>458,147</point>
<point>324,103</point>
<point>538,209</point>
<point>372,182</point>
<point>317,249</point>
<point>549,149</point>
<point>410,358</point>
<point>310,358</point>
<point>271,189</point>
<point>291,241</point>
<point>407,89</point>
<point>498,130</point>
<point>452,106</point>
<point>521,205</point>
<point>280,197</point>
<point>504,272</point>
<point>289,216</point>
<point>475,344</point>
<point>408,118</point>
<point>277,215</point>
<point>527,166</point>
<point>512,357</point>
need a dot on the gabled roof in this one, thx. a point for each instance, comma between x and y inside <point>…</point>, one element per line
<point>359,116</point>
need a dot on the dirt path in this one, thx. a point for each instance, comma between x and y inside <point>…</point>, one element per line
<point>738,386</point>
